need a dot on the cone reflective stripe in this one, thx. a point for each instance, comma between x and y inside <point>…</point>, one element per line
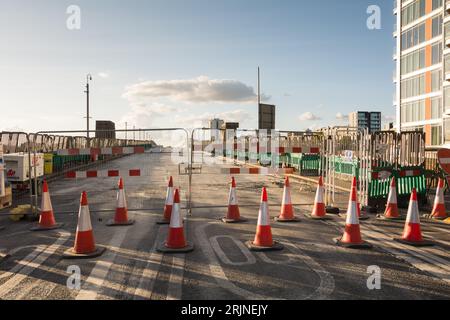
<point>46,218</point>
<point>319,205</point>
<point>263,237</point>
<point>169,200</point>
<point>233,214</point>
<point>121,216</point>
<point>352,233</point>
<point>175,238</point>
<point>84,238</point>
<point>412,231</point>
<point>121,208</point>
<point>391,206</point>
<point>287,210</point>
<point>439,211</point>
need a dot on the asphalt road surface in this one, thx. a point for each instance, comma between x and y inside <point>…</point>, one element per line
<point>310,267</point>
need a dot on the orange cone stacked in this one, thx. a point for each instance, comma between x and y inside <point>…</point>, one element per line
<point>263,239</point>
<point>412,233</point>
<point>287,210</point>
<point>319,211</point>
<point>233,214</point>
<point>439,211</point>
<point>46,219</point>
<point>168,204</point>
<point>176,241</point>
<point>121,216</point>
<point>391,211</point>
<point>352,234</point>
<point>84,246</point>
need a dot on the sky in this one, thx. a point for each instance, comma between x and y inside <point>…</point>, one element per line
<point>177,63</point>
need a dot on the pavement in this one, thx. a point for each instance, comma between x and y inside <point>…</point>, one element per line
<point>311,266</point>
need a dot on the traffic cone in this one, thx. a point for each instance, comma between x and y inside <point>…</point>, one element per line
<point>287,210</point>
<point>263,239</point>
<point>412,233</point>
<point>352,234</point>
<point>391,212</point>
<point>176,241</point>
<point>84,246</point>
<point>233,215</point>
<point>319,212</point>
<point>169,203</point>
<point>46,218</point>
<point>121,217</point>
<point>439,212</point>
<point>358,206</point>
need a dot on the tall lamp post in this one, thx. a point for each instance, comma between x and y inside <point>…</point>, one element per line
<point>88,78</point>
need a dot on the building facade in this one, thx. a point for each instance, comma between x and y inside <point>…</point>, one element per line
<point>365,120</point>
<point>422,75</point>
<point>105,129</point>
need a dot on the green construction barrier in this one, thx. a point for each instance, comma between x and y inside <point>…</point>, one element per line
<point>306,164</point>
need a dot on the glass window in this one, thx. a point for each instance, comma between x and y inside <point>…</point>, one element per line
<point>436,135</point>
<point>436,108</point>
<point>436,80</point>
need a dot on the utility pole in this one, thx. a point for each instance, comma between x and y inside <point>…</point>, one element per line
<point>88,78</point>
<point>134,133</point>
<point>259,88</point>
<point>126,132</point>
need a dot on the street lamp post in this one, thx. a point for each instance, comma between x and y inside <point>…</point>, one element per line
<point>88,78</point>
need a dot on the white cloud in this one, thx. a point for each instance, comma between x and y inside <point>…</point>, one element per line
<point>389,118</point>
<point>308,116</point>
<point>103,75</point>
<point>142,115</point>
<point>340,116</point>
<point>198,90</point>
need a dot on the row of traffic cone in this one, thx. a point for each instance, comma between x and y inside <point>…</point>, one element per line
<point>438,212</point>
<point>412,234</point>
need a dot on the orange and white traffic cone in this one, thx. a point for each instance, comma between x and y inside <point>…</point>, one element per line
<point>233,214</point>
<point>319,212</point>
<point>391,212</point>
<point>412,233</point>
<point>439,212</point>
<point>84,246</point>
<point>352,234</point>
<point>176,241</point>
<point>121,216</point>
<point>361,216</point>
<point>46,218</point>
<point>168,204</point>
<point>263,239</point>
<point>287,210</point>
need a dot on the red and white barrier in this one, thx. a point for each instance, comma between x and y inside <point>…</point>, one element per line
<point>261,171</point>
<point>101,151</point>
<point>103,174</point>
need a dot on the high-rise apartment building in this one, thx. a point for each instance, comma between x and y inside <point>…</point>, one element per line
<point>422,74</point>
<point>365,120</point>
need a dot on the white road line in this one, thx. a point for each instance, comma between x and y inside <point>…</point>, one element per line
<point>223,257</point>
<point>327,283</point>
<point>93,284</point>
<point>217,271</point>
<point>175,287</point>
<point>30,266</point>
<point>145,288</point>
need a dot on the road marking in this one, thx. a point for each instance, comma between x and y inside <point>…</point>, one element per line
<point>29,266</point>
<point>145,288</point>
<point>327,283</point>
<point>93,284</point>
<point>434,266</point>
<point>175,287</point>
<point>217,271</point>
<point>223,257</point>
